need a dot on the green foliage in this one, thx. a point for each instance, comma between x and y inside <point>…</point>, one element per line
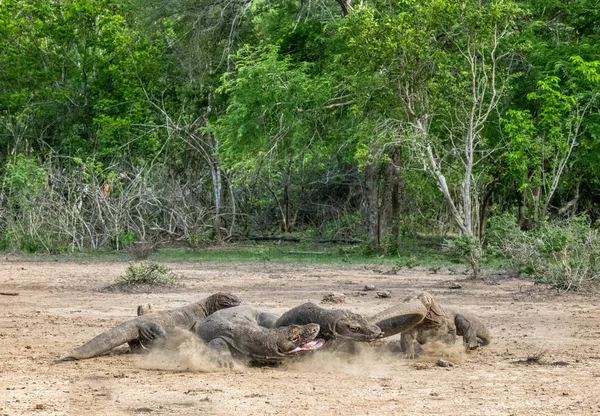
<point>468,248</point>
<point>294,106</point>
<point>560,253</point>
<point>25,179</point>
<point>524,151</point>
<point>346,226</point>
<point>147,273</point>
<point>542,145</point>
<point>120,239</point>
<point>272,106</point>
<point>408,262</point>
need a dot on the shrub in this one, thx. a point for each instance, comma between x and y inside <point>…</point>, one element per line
<point>468,248</point>
<point>147,273</point>
<point>560,253</point>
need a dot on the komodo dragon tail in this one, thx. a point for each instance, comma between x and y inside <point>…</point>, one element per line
<point>104,342</point>
<point>400,318</point>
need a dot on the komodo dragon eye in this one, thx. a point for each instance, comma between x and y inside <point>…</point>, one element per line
<point>354,328</point>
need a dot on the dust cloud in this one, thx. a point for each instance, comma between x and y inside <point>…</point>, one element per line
<point>185,352</point>
<point>435,350</point>
<point>372,360</point>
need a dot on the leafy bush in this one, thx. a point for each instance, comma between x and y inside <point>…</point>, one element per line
<point>560,253</point>
<point>147,273</point>
<point>25,179</point>
<point>466,247</point>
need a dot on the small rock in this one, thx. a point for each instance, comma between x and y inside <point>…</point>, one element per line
<point>455,285</point>
<point>444,363</point>
<point>334,297</point>
<point>369,287</point>
<point>384,294</point>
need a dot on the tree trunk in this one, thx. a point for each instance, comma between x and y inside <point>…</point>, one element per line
<point>395,197</point>
<point>371,216</point>
<point>217,183</point>
<point>442,185</point>
<point>346,6</point>
<point>485,209</point>
<point>287,227</point>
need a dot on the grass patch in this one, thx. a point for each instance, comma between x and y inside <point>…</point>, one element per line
<point>408,256</point>
<point>412,252</point>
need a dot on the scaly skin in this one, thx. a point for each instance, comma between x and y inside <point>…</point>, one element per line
<point>471,328</point>
<point>237,333</point>
<point>400,318</point>
<point>151,326</point>
<point>394,320</point>
<point>334,323</point>
<point>443,325</point>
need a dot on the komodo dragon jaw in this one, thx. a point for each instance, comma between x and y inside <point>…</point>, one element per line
<point>296,338</point>
<point>315,344</point>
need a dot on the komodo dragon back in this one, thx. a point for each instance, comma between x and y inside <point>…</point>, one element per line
<point>183,317</point>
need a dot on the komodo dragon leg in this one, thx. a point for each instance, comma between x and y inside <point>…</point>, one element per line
<point>435,325</point>
<point>149,333</point>
<point>220,353</point>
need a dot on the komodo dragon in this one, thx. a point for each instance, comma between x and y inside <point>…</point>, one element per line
<point>400,318</point>
<point>444,325</point>
<point>240,333</point>
<point>151,326</point>
<point>334,323</point>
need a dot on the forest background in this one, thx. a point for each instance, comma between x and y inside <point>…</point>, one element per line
<point>470,124</point>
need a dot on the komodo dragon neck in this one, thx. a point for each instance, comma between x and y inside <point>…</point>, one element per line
<point>329,322</point>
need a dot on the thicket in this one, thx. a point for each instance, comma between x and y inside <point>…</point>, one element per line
<point>560,253</point>
<point>127,125</point>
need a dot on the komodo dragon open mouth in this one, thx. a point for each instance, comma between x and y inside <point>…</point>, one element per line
<point>311,345</point>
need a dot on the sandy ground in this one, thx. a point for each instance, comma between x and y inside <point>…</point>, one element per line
<point>60,305</point>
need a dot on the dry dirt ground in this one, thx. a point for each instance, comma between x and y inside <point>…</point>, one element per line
<point>61,305</point>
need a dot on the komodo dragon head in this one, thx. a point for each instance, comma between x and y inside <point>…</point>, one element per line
<point>295,338</point>
<point>221,300</point>
<point>355,327</point>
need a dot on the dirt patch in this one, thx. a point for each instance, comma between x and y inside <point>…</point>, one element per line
<point>61,305</point>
